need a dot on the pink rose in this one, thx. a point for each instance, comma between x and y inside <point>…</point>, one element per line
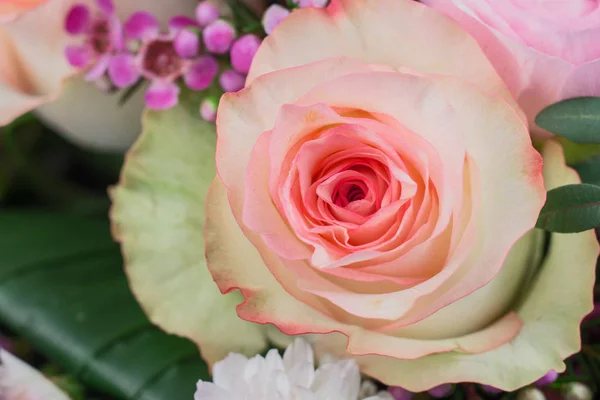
<point>375,184</point>
<point>11,9</point>
<point>545,51</point>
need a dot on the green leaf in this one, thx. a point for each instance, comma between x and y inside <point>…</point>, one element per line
<point>571,209</point>
<point>589,171</point>
<point>62,288</point>
<point>576,119</point>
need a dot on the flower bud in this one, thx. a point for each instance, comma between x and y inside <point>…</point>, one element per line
<point>547,379</point>
<point>441,391</point>
<point>206,12</point>
<point>531,393</point>
<point>490,389</point>
<point>368,388</point>
<point>232,81</point>
<point>577,391</point>
<point>243,51</point>
<point>273,16</point>
<point>208,110</point>
<point>399,393</point>
<point>218,36</point>
<point>186,44</point>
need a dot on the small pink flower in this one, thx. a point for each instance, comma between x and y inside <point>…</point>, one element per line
<point>273,16</point>
<point>163,59</point>
<point>243,51</point>
<point>103,37</point>
<point>232,81</point>
<point>218,36</point>
<point>206,13</point>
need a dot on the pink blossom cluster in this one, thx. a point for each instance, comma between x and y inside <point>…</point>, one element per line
<point>123,54</point>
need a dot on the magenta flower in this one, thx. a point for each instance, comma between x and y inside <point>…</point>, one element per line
<point>103,37</point>
<point>163,58</point>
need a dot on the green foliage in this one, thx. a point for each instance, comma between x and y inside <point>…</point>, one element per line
<point>571,209</point>
<point>577,120</point>
<point>589,170</point>
<point>62,288</point>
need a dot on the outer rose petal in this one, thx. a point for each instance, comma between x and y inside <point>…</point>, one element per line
<point>11,9</point>
<point>551,308</point>
<point>31,74</point>
<point>158,216</point>
<point>535,79</point>
<point>370,32</point>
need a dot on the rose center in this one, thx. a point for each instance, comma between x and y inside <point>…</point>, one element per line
<point>161,59</point>
<point>349,192</point>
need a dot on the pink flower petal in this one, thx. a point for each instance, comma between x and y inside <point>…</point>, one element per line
<point>79,56</point>
<point>273,16</point>
<point>202,73</point>
<point>142,25</point>
<point>187,44</point>
<point>162,96</point>
<point>99,69</point>
<point>116,34</point>
<point>122,70</point>
<point>77,19</point>
<point>181,22</point>
<point>106,6</point>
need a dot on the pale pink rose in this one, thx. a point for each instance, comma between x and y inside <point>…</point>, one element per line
<point>11,9</point>
<point>376,185</point>
<point>545,51</point>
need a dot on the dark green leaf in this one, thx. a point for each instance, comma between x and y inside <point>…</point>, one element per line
<point>62,288</point>
<point>576,119</point>
<point>571,209</point>
<point>589,171</point>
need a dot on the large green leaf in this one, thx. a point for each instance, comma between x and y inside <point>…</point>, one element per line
<point>571,208</point>
<point>62,287</point>
<point>576,119</point>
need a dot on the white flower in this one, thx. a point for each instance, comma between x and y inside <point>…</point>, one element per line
<point>292,377</point>
<point>19,381</point>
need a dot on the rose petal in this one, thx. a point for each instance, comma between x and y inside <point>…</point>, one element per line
<point>298,42</point>
<point>552,309</point>
<point>141,25</point>
<point>122,70</point>
<point>162,96</point>
<point>77,19</point>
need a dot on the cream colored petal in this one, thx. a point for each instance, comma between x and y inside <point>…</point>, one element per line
<point>19,381</point>
<point>158,215</point>
<point>397,33</point>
